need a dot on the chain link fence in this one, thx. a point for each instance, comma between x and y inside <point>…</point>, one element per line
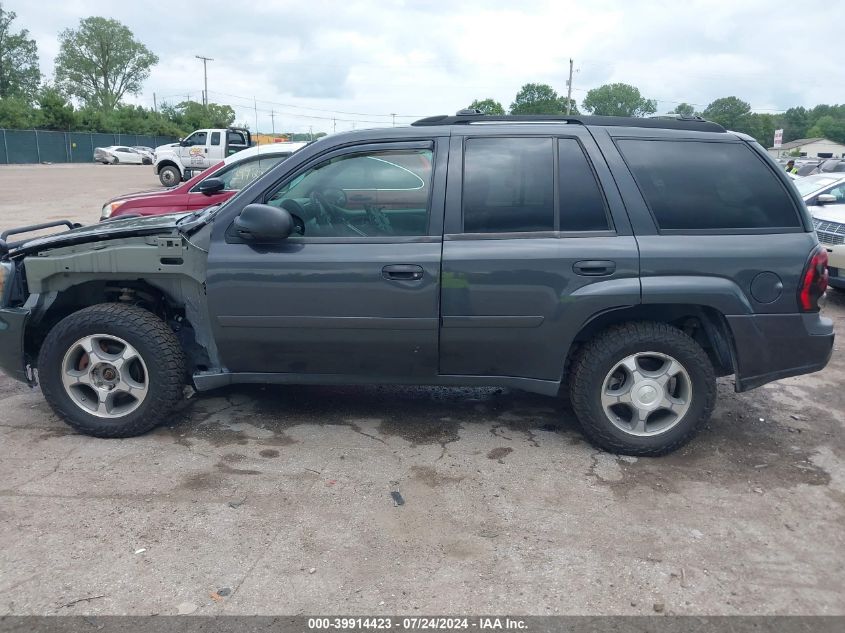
<point>44,146</point>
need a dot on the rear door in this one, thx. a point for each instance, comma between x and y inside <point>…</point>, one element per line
<point>537,241</point>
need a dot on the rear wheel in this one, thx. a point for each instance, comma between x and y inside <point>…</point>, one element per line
<point>112,370</point>
<point>642,388</point>
<point>169,176</point>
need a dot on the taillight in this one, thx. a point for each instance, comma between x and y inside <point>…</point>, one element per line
<point>813,281</point>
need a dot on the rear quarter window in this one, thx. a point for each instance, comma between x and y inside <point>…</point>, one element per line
<point>699,185</point>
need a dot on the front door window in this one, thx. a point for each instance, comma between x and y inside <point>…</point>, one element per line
<point>368,194</point>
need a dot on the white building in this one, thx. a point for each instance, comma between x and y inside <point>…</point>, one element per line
<point>811,148</point>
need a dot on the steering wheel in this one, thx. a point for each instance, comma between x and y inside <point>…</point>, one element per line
<point>324,209</point>
<point>298,214</point>
<point>336,197</point>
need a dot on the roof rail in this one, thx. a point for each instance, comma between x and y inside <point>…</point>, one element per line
<point>465,117</point>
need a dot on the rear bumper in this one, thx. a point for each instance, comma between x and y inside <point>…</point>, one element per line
<point>773,346</point>
<point>12,356</point>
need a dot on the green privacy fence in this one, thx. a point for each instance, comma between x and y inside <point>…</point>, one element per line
<point>44,146</point>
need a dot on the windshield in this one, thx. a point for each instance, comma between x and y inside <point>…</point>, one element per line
<point>811,184</point>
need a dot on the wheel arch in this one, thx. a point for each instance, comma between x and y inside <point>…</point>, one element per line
<point>172,300</point>
<point>704,324</point>
<point>166,163</point>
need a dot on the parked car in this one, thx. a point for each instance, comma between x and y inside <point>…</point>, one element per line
<point>627,261</point>
<point>119,154</point>
<point>824,195</point>
<point>197,152</point>
<point>212,186</point>
<point>147,152</point>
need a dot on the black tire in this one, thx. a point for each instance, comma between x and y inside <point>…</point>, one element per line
<point>169,176</point>
<point>150,336</point>
<point>115,161</point>
<point>146,161</point>
<point>596,359</point>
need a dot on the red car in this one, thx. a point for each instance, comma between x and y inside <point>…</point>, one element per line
<point>213,186</point>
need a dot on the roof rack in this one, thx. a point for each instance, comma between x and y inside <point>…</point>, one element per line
<point>466,117</point>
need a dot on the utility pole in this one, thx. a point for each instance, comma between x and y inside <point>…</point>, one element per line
<point>310,133</point>
<point>273,122</point>
<point>334,125</point>
<point>205,77</point>
<point>393,115</point>
<point>155,109</point>
<point>255,105</point>
<point>569,91</point>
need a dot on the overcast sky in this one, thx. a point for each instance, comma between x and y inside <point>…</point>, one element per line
<point>362,60</point>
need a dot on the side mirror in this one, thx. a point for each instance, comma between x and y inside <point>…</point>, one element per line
<point>263,223</point>
<point>826,198</point>
<point>210,186</point>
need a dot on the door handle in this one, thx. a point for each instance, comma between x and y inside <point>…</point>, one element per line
<point>402,272</point>
<point>594,267</point>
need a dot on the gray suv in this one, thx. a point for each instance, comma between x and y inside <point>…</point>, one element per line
<point>628,262</point>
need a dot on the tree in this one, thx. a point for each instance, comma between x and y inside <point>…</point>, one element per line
<point>539,99</point>
<point>19,72</point>
<point>16,112</point>
<point>618,100</point>
<point>101,61</point>
<point>54,112</point>
<point>684,109</point>
<point>828,127</point>
<point>796,122</point>
<point>729,112</point>
<point>192,115</point>
<point>488,106</point>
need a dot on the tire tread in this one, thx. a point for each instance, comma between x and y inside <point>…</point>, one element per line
<point>170,364</point>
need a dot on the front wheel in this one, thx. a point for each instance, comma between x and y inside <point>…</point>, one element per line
<point>112,370</point>
<point>169,176</point>
<point>642,388</point>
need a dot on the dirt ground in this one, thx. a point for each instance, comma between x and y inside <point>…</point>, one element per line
<point>277,500</point>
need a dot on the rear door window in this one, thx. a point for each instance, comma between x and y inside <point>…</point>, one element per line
<point>698,185</point>
<point>582,205</point>
<point>508,185</point>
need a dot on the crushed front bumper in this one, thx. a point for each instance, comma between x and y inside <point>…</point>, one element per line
<point>12,356</point>
<point>773,346</point>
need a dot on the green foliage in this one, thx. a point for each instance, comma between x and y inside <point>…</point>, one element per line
<point>192,115</point>
<point>19,72</point>
<point>684,109</point>
<point>729,112</point>
<point>16,113</point>
<point>796,122</point>
<point>828,127</point>
<point>54,111</point>
<point>101,61</point>
<point>618,100</point>
<point>540,99</point>
<point>488,106</point>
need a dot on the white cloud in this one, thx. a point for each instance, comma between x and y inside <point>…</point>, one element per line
<point>412,57</point>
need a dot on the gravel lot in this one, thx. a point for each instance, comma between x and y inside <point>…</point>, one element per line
<point>277,500</point>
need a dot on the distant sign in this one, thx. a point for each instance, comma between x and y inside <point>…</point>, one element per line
<point>778,138</point>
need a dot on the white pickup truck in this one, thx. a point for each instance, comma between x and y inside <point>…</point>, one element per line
<point>196,152</point>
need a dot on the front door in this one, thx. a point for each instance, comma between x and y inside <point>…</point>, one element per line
<point>194,151</point>
<point>355,291</point>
